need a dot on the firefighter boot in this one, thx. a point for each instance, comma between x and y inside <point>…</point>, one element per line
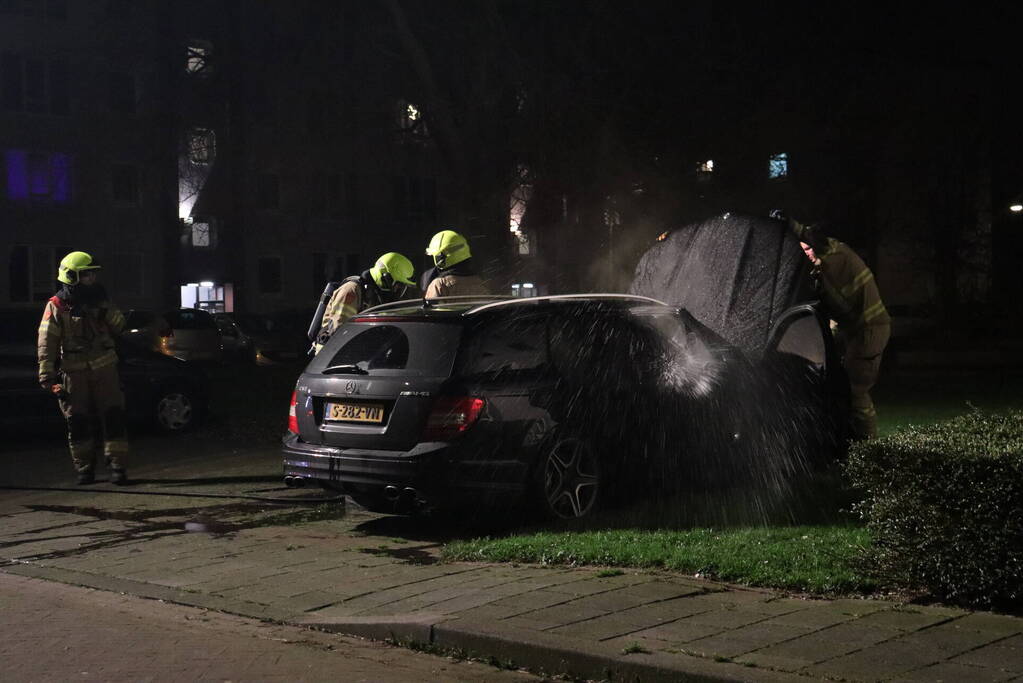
<point>85,476</point>
<point>118,476</point>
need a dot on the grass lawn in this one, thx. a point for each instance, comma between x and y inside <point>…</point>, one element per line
<point>815,559</point>
<point>821,558</point>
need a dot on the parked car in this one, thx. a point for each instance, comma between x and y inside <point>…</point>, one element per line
<point>165,393</point>
<point>557,403</point>
<point>146,329</point>
<point>261,339</point>
<point>191,334</point>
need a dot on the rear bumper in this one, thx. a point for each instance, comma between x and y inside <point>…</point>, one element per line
<point>438,473</point>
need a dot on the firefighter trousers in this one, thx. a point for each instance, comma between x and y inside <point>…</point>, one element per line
<point>93,406</point>
<point>863,351</point>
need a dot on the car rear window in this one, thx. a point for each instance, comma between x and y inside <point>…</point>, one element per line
<point>190,319</point>
<point>419,349</point>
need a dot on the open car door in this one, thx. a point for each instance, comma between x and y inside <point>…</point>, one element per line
<point>747,279</point>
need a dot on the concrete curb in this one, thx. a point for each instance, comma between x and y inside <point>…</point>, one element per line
<point>549,653</point>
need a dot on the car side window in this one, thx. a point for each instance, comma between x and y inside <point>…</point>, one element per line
<point>515,344</point>
<point>801,335</point>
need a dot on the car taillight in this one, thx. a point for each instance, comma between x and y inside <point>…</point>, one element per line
<point>451,416</point>
<point>292,414</point>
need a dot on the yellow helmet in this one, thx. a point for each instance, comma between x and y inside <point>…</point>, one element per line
<point>390,268</point>
<point>73,264</point>
<point>448,248</point>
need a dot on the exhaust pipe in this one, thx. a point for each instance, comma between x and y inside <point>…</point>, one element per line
<point>294,482</point>
<point>391,493</point>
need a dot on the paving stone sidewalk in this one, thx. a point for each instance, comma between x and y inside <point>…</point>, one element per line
<point>360,574</point>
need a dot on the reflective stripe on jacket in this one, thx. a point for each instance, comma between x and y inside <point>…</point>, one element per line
<point>79,341</point>
<point>848,289</point>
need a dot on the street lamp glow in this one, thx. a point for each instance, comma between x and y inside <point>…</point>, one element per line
<point>1016,208</point>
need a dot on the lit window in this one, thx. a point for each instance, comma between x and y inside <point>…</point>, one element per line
<point>38,176</point>
<point>202,235</point>
<point>521,194</point>
<point>410,119</point>
<point>202,146</point>
<point>778,166</point>
<point>197,57</point>
<point>705,169</point>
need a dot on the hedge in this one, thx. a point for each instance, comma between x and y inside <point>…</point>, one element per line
<point>944,507</point>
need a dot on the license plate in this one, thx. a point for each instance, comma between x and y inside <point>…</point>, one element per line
<point>354,412</point>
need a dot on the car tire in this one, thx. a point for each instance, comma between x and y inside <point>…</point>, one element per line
<point>568,479</point>
<point>176,410</point>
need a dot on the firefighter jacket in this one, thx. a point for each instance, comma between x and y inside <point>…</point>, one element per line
<point>459,280</point>
<point>356,293</point>
<point>74,337</point>
<point>848,289</point>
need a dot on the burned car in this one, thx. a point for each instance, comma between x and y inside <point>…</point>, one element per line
<point>557,403</point>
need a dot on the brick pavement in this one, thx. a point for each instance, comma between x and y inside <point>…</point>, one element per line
<point>362,575</point>
<point>54,632</point>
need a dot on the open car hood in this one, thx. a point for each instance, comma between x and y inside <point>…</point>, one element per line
<point>736,274</point>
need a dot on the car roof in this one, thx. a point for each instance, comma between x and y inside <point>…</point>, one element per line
<point>467,306</point>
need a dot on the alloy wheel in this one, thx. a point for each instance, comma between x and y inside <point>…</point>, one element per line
<point>174,412</point>
<point>571,478</point>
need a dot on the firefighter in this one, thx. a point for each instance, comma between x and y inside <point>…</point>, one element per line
<point>453,274</point>
<point>387,280</point>
<point>78,363</point>
<point>851,298</point>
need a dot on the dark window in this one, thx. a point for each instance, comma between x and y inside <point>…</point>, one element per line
<point>119,9</point>
<point>60,101</point>
<point>268,191</point>
<point>383,347</point>
<point>269,275</point>
<point>35,85</point>
<point>127,274</point>
<point>19,274</point>
<point>505,346</point>
<point>12,89</point>
<point>33,272</point>
<point>334,195</point>
<point>430,199</point>
<point>414,198</point>
<point>125,182</point>
<point>353,198</point>
<point>319,271</point>
<point>121,91</point>
<point>352,264</point>
<point>56,10</point>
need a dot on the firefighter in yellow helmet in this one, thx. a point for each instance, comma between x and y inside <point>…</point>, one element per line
<point>78,363</point>
<point>453,274</point>
<point>387,280</point>
<point>851,298</point>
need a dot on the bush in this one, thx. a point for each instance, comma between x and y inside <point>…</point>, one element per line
<point>944,507</point>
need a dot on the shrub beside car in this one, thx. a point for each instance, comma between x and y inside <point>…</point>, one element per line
<point>944,506</point>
